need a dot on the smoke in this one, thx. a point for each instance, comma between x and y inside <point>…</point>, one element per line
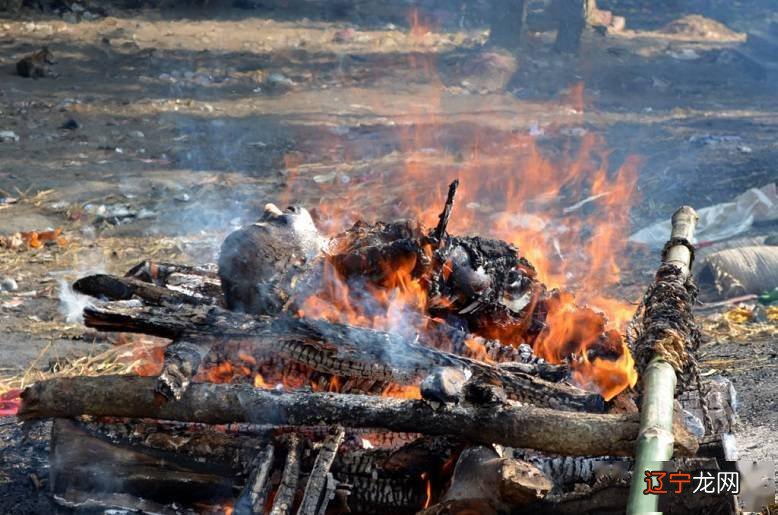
<point>71,303</point>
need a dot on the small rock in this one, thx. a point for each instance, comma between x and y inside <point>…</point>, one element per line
<point>279,82</point>
<point>618,24</point>
<point>344,35</point>
<point>71,124</point>
<point>8,284</point>
<point>8,136</point>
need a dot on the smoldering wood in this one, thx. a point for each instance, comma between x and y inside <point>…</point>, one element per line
<point>481,475</point>
<point>196,441</point>
<point>196,285</point>
<point>254,495</point>
<point>125,288</point>
<point>608,494</point>
<point>317,493</point>
<point>182,360</point>
<point>332,348</point>
<point>440,230</point>
<point>158,272</point>
<point>567,433</point>
<point>479,283</point>
<point>79,461</point>
<point>388,480</point>
<point>284,499</point>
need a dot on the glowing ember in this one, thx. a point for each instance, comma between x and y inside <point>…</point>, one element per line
<point>428,489</point>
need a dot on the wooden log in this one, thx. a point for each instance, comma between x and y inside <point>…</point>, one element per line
<point>284,499</point>
<point>317,494</point>
<point>550,430</point>
<point>125,288</point>
<point>182,360</point>
<point>158,273</point>
<point>198,281</point>
<point>334,348</point>
<point>505,484</point>
<point>252,499</point>
<point>84,463</point>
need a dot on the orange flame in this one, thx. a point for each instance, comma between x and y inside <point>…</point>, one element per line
<point>428,489</point>
<point>566,212</point>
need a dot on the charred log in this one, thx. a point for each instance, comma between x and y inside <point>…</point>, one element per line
<point>77,472</point>
<point>544,429</point>
<point>335,348</point>
<point>125,288</point>
<point>254,495</point>
<point>284,499</point>
<point>320,487</point>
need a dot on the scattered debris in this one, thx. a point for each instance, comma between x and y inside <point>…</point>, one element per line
<point>70,124</point>
<point>36,66</point>
<point>697,27</point>
<point>8,284</point>
<point>8,136</point>
<point>721,221</point>
<point>32,239</point>
<point>279,83</point>
<point>7,201</point>
<point>116,213</point>
<point>713,140</point>
<point>344,35</point>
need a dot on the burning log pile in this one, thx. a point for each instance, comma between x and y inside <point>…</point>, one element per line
<point>387,369</point>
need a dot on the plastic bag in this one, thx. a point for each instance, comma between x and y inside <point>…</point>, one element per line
<point>720,221</point>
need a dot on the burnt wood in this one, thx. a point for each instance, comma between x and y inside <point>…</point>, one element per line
<point>124,288</point>
<point>333,348</point>
<point>252,499</point>
<point>555,431</point>
<point>317,492</point>
<point>284,499</point>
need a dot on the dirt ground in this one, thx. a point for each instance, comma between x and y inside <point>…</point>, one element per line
<point>191,119</point>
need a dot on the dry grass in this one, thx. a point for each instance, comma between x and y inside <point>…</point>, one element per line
<point>122,359</point>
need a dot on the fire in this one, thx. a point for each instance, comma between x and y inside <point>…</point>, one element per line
<point>565,210</point>
<point>402,391</point>
<point>567,213</point>
<point>428,489</point>
<point>259,382</point>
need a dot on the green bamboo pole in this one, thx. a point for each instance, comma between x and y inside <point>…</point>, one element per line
<point>655,439</point>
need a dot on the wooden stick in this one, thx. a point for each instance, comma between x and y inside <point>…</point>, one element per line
<point>282,504</point>
<point>440,229</point>
<point>254,495</point>
<point>315,497</point>
<point>554,431</point>
<point>124,288</point>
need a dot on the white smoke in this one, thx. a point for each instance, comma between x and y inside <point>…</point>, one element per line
<point>72,304</point>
